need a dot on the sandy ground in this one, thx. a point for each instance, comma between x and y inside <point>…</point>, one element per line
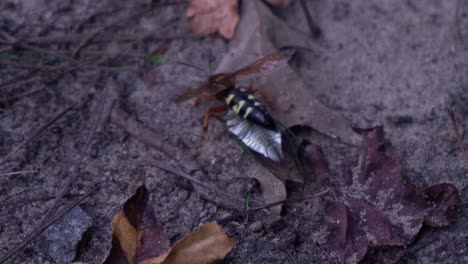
<point>376,61</point>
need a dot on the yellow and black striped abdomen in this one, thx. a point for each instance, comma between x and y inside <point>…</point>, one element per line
<point>248,107</point>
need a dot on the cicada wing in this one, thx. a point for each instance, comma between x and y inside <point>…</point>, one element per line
<point>254,138</point>
<point>276,150</point>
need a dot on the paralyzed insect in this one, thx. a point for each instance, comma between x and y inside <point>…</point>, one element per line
<point>247,118</point>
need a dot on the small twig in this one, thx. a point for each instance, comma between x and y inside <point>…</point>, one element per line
<point>16,173</point>
<point>22,95</point>
<point>142,133</point>
<point>37,73</point>
<point>41,197</point>
<point>77,164</point>
<point>15,43</point>
<point>458,29</point>
<point>92,35</point>
<point>242,214</point>
<point>73,37</point>
<point>313,27</point>
<point>184,175</point>
<point>39,131</point>
<point>55,68</point>
<point>36,232</point>
<point>457,134</point>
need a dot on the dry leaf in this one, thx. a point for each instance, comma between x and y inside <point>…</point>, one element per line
<point>373,206</point>
<point>209,16</point>
<point>209,244</point>
<point>136,232</point>
<point>258,29</point>
<point>137,237</point>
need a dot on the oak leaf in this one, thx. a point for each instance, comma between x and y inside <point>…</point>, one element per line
<point>210,16</point>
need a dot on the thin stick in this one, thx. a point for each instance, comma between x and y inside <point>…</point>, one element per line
<point>36,232</point>
<point>184,175</point>
<point>56,68</point>
<point>313,27</point>
<point>41,197</point>
<point>61,70</point>
<point>457,134</point>
<point>77,164</point>
<point>16,173</point>
<point>193,66</point>
<point>39,131</point>
<point>140,132</point>
<point>242,214</point>
<point>73,37</point>
<point>22,95</point>
<point>92,35</point>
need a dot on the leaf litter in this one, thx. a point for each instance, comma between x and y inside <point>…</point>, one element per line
<point>138,237</point>
<point>373,206</point>
<point>370,205</point>
<point>256,36</point>
<point>222,16</point>
<point>210,16</point>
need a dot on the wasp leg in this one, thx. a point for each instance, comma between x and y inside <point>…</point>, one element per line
<point>209,112</point>
<point>206,119</point>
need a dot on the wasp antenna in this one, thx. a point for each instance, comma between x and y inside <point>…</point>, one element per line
<point>193,66</point>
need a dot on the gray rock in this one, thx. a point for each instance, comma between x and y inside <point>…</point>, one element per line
<point>256,226</point>
<point>60,240</point>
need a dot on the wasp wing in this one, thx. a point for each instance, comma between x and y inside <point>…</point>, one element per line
<point>266,64</point>
<point>192,93</point>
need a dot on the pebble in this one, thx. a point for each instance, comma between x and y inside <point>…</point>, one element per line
<point>256,226</point>
<point>61,239</point>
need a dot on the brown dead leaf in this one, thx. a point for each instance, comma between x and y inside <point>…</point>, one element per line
<point>206,245</point>
<point>137,237</point>
<point>209,16</point>
<point>260,33</point>
<point>374,206</point>
<point>136,233</point>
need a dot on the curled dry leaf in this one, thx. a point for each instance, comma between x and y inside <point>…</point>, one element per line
<point>210,16</point>
<point>137,237</point>
<point>136,232</point>
<point>373,206</point>
<point>206,245</point>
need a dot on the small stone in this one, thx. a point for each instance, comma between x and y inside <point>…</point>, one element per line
<point>61,239</point>
<point>275,223</point>
<point>182,195</point>
<point>400,119</point>
<point>256,226</point>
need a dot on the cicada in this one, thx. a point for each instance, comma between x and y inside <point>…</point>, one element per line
<point>247,119</point>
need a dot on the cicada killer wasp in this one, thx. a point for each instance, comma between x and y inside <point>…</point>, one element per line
<point>247,119</point>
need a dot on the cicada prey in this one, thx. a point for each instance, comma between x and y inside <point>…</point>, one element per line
<point>247,119</point>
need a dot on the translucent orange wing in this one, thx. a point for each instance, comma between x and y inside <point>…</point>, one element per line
<point>266,64</point>
<point>192,93</point>
<point>213,85</point>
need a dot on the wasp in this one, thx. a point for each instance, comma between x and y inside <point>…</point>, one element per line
<point>247,118</point>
